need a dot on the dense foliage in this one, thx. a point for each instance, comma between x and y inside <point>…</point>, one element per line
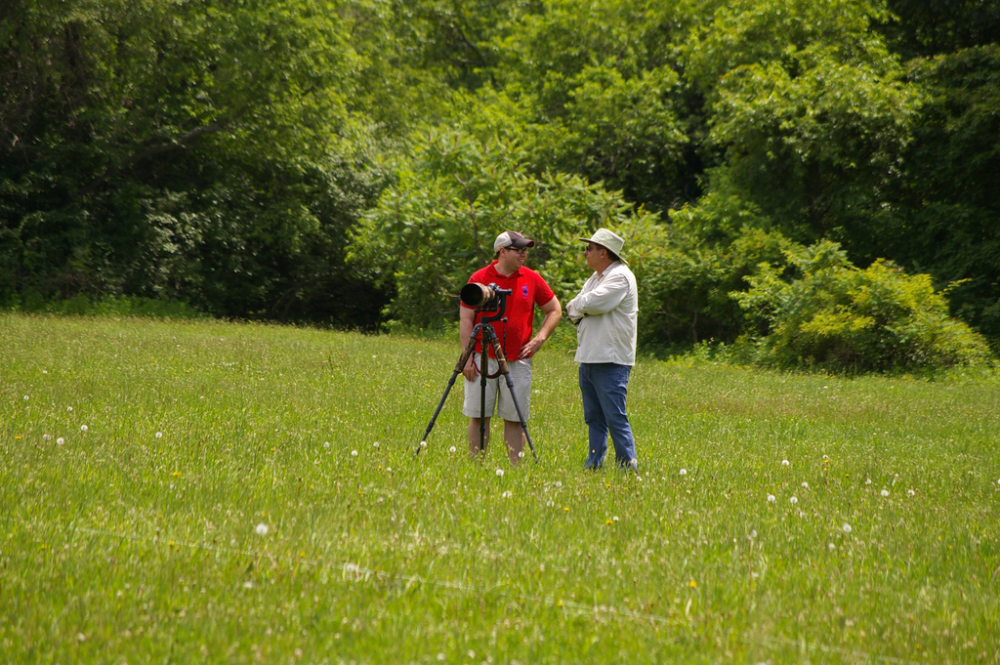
<point>347,162</point>
<point>834,315</point>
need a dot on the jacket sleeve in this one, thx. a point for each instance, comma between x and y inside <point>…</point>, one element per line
<point>604,298</point>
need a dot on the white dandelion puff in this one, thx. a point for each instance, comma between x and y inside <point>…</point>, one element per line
<point>159,435</point>
<point>885,492</point>
<point>846,527</point>
<point>770,498</point>
<point>248,584</point>
<point>507,494</point>
<point>46,437</point>
<point>682,472</point>
<point>784,462</point>
<point>26,398</point>
<point>261,529</point>
<point>615,518</point>
<point>868,481</point>
<point>499,473</point>
<point>83,428</point>
<point>910,492</point>
<point>326,444</point>
<point>354,453</point>
<point>831,546</point>
<point>753,533</point>
<point>69,408</point>
<point>452,449</point>
<point>805,485</point>
<point>793,500</point>
<point>60,441</point>
<point>423,444</point>
<point>376,444</point>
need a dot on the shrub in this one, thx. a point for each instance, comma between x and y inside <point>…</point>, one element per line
<point>834,315</point>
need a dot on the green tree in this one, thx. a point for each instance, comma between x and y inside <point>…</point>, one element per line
<point>192,150</point>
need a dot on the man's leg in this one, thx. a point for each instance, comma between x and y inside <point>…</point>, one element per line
<point>474,435</point>
<point>513,436</point>
<point>611,383</point>
<point>513,433</point>
<point>474,408</point>
<point>594,417</point>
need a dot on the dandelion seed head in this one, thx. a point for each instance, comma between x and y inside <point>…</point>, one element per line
<point>248,584</point>
<point>770,498</point>
<point>753,533</point>
<point>159,435</point>
<point>910,492</point>
<point>885,492</point>
<point>793,500</point>
<point>26,398</point>
<point>261,529</point>
<point>354,453</point>
<point>868,481</point>
<point>376,444</point>
<point>846,527</point>
<point>83,428</point>
<point>507,494</point>
<point>326,444</point>
<point>423,444</point>
<point>60,441</point>
<point>784,462</point>
<point>805,485</point>
<point>69,408</point>
<point>499,473</point>
<point>831,546</point>
<point>46,437</point>
<point>683,472</point>
<point>452,449</point>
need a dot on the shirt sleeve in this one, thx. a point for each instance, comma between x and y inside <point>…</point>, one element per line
<point>543,293</point>
<point>604,298</point>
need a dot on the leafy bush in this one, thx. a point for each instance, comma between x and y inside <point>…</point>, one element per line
<point>833,315</point>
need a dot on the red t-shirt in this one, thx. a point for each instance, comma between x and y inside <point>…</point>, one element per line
<point>529,289</point>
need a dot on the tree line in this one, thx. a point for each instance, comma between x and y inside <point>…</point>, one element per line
<point>348,162</point>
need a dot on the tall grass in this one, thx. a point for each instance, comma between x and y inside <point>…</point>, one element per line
<point>249,493</point>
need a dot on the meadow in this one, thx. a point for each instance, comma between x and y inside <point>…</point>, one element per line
<point>205,492</point>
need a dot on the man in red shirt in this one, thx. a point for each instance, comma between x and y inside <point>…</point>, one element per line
<point>528,288</point>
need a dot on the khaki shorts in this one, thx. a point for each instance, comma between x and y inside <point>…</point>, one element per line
<point>520,376</point>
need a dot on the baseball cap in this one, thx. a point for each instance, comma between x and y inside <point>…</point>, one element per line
<point>511,239</point>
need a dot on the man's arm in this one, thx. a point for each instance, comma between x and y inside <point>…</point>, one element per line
<point>604,298</point>
<point>553,312</point>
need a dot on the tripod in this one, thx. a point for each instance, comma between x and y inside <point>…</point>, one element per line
<point>488,336</point>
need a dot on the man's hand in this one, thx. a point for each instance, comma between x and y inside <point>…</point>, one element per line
<point>531,348</point>
<point>471,371</point>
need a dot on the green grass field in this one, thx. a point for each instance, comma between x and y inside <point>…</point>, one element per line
<point>220,493</point>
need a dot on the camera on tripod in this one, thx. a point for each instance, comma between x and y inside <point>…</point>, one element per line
<point>485,297</point>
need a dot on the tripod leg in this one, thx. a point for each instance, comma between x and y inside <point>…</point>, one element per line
<point>464,358</point>
<point>505,370</point>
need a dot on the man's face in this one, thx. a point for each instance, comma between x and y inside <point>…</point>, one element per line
<point>511,258</point>
<point>593,253</point>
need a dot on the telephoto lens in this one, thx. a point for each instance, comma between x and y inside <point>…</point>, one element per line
<point>478,296</point>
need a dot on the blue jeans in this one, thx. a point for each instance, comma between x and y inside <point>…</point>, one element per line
<point>604,387</point>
